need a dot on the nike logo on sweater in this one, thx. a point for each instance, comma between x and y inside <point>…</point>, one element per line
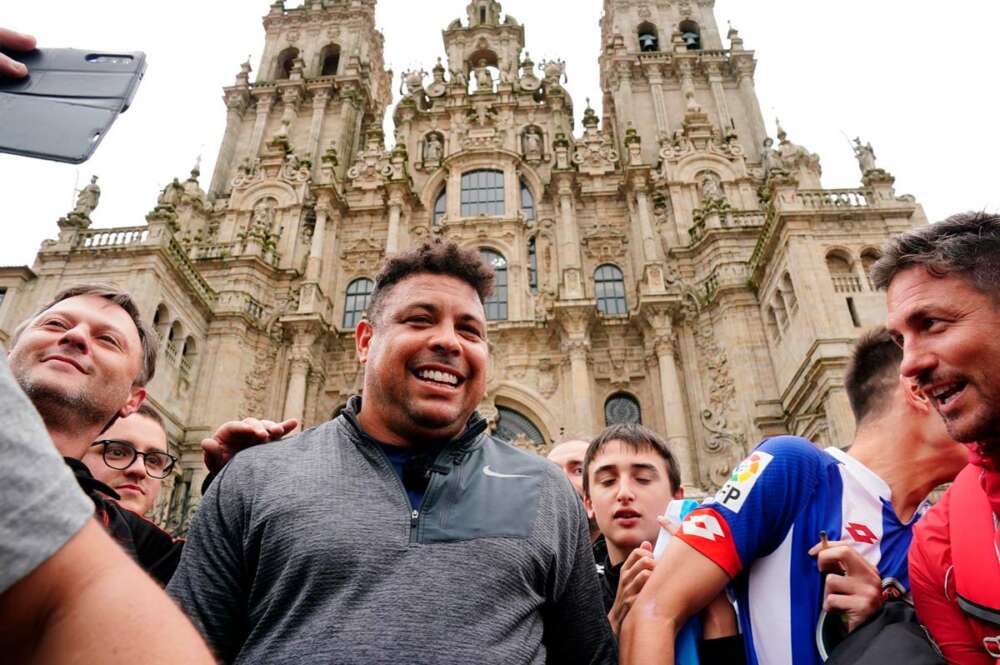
<point>487,471</point>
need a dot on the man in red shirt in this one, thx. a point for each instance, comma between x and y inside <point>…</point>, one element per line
<point>943,294</point>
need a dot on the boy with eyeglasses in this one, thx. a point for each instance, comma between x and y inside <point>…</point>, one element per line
<point>131,459</point>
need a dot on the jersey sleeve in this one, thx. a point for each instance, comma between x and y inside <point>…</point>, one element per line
<point>929,559</point>
<point>754,510</point>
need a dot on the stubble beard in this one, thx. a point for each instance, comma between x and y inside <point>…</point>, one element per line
<point>61,409</point>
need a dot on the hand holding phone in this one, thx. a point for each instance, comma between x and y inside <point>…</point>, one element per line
<point>14,41</point>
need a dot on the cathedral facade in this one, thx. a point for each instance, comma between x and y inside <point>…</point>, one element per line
<point>666,263</point>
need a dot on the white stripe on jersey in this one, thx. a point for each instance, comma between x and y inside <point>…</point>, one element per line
<point>861,507</point>
<point>770,599</point>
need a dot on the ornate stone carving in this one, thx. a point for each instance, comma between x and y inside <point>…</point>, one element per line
<point>362,256</point>
<point>86,201</point>
<point>594,154</point>
<point>605,242</point>
<point>865,155</point>
<point>372,165</point>
<point>528,81</point>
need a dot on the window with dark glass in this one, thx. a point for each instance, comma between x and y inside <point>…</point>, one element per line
<point>359,292</point>
<point>440,207</point>
<point>496,304</point>
<point>527,202</point>
<point>482,193</point>
<point>511,424</point>
<point>609,288</point>
<point>533,265</point>
<point>330,60</point>
<point>622,409</point>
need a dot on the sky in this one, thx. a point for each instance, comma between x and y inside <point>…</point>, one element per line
<point>919,83</point>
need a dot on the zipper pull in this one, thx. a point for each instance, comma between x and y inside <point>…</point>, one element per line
<point>414,516</point>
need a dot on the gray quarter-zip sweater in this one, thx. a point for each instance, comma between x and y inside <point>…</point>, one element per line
<point>307,551</point>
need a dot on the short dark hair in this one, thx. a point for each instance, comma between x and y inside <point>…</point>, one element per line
<point>637,439</point>
<point>872,374</point>
<point>149,412</point>
<point>967,244</point>
<point>436,257</point>
<point>123,299</point>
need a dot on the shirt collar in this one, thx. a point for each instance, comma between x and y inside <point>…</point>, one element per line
<point>868,478</point>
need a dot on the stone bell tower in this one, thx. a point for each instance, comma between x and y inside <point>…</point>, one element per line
<point>320,81</point>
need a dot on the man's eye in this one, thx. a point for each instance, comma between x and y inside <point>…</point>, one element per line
<point>56,323</point>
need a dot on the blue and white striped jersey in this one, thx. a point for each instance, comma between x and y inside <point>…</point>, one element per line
<point>760,526</point>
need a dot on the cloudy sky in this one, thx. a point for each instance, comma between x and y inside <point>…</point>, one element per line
<point>920,84</point>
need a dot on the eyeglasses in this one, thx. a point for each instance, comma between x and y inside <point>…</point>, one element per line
<point>121,455</point>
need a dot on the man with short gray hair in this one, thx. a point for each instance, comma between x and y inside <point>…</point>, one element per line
<point>943,295</point>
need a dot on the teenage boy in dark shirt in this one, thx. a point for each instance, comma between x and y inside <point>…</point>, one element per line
<point>629,477</point>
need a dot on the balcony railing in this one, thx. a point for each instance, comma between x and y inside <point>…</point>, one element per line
<point>846,284</point>
<point>834,198</point>
<point>110,238</point>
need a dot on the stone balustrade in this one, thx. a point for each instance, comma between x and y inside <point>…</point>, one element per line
<point>208,251</point>
<point>112,238</point>
<point>846,284</point>
<point>820,199</point>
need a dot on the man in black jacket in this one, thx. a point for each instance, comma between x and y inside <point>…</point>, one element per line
<point>84,360</point>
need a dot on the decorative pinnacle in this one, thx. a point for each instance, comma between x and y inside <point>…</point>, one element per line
<point>782,134</point>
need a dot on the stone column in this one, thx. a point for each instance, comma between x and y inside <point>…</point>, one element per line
<point>223,167</point>
<point>715,82</point>
<point>569,244</point>
<point>646,224</point>
<point>295,397</point>
<point>655,77</point>
<point>751,103</point>
<point>314,265</point>
<point>395,214</point>
<point>264,105</point>
<point>320,100</point>
<point>580,391</point>
<point>674,416</point>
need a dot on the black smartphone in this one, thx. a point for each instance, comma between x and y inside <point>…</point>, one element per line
<point>67,103</point>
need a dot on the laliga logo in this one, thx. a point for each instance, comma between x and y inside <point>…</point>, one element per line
<point>747,469</point>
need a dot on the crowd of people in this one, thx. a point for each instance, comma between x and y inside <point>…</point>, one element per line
<point>402,532</point>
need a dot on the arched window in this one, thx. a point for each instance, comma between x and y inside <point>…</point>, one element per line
<point>788,293</point>
<point>649,38</point>
<point>440,207</point>
<point>842,273</point>
<point>285,61</point>
<point>482,193</point>
<point>622,409</point>
<point>330,60</point>
<point>496,304</point>
<point>188,352</point>
<point>609,287</point>
<point>780,312</point>
<point>359,293</point>
<point>172,338</point>
<point>161,320</point>
<point>868,259</point>
<point>772,322</point>
<point>527,201</point>
<point>533,265</point>
<point>691,34</point>
<point>511,424</point>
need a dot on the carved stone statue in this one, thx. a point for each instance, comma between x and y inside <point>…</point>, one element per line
<point>263,214</point>
<point>711,189</point>
<point>458,78</point>
<point>87,200</point>
<point>794,156</point>
<point>171,194</point>
<point>484,79</point>
<point>532,144</point>
<point>865,155</point>
<point>438,86</point>
<point>770,158</point>
<point>433,149</point>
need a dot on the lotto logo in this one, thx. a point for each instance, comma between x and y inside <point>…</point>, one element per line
<point>734,493</point>
<point>861,533</point>
<point>703,526</point>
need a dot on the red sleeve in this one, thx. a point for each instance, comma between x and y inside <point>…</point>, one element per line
<point>930,559</point>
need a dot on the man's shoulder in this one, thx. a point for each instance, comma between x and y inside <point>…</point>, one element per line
<point>515,460</point>
<point>289,453</point>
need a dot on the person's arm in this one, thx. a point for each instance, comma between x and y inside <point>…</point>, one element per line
<point>853,586</point>
<point>211,582</point>
<point>89,603</point>
<point>683,583</point>
<point>237,435</point>
<point>14,41</point>
<point>929,558</point>
<point>577,631</point>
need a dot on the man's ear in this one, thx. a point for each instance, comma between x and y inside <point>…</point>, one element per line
<point>679,493</point>
<point>363,339</point>
<point>915,397</point>
<point>589,505</point>
<point>137,395</point>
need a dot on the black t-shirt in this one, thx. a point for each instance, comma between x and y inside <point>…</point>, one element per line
<point>155,550</point>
